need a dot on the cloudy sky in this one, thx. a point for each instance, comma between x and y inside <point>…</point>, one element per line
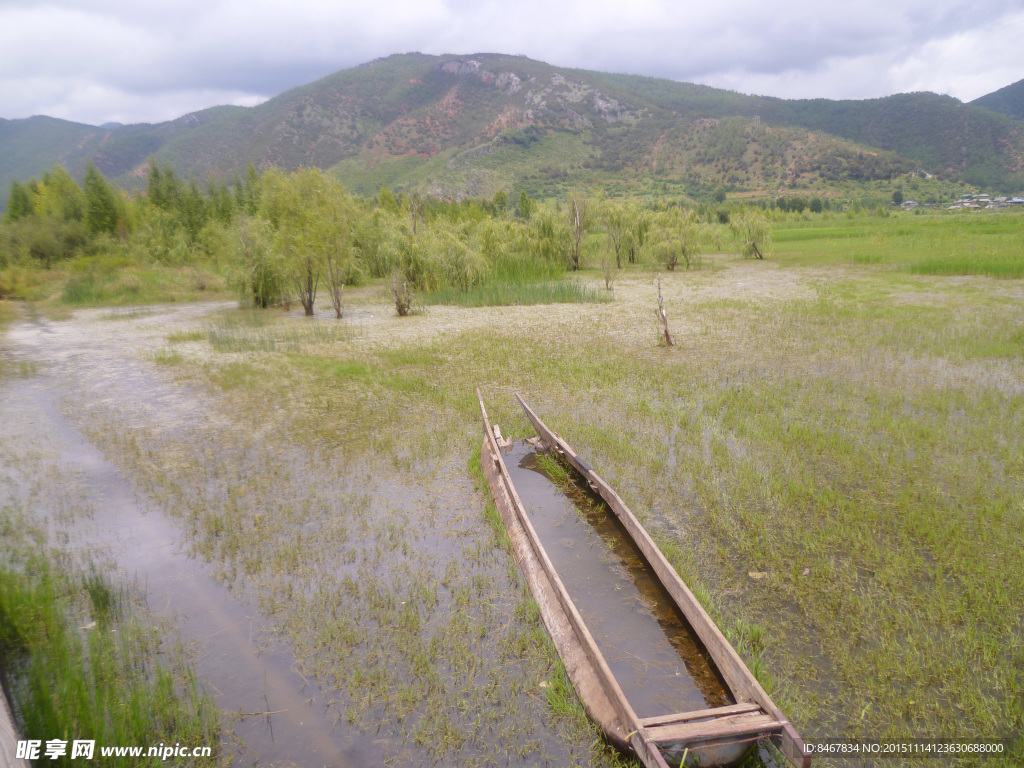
<point>96,61</point>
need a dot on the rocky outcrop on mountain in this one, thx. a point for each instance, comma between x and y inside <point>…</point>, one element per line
<point>505,81</point>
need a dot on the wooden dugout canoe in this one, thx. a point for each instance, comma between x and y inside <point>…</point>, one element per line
<point>716,736</point>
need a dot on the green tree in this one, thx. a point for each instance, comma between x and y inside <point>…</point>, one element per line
<point>500,202</point>
<point>59,197</point>
<point>753,232</point>
<point>19,204</point>
<point>526,206</point>
<point>386,200</point>
<point>101,215</point>
<point>312,219</point>
<point>637,233</point>
<point>162,186</point>
<point>678,238</point>
<point>547,239</point>
<point>263,276</point>
<point>192,210</point>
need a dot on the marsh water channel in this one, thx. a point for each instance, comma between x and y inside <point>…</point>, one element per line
<point>342,610</point>
<point>656,657</point>
<point>91,507</point>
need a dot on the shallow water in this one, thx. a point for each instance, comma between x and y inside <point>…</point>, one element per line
<point>90,507</point>
<point>659,662</point>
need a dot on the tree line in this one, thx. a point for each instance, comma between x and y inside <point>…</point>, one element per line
<point>295,236</point>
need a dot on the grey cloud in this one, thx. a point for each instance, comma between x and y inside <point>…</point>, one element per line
<point>111,52</point>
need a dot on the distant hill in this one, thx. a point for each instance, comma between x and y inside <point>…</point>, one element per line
<point>1008,101</point>
<point>470,125</point>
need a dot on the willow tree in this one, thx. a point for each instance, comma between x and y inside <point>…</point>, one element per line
<point>637,230</point>
<point>678,239</point>
<point>295,205</point>
<point>753,232</point>
<point>336,221</point>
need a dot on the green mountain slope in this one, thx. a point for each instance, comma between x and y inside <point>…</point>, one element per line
<point>1008,101</point>
<point>33,145</point>
<point>460,126</point>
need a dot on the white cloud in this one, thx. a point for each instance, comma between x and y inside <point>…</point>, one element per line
<point>99,60</point>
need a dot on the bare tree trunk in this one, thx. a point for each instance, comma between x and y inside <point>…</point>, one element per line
<point>307,281</point>
<point>334,273</point>
<point>607,268</point>
<point>577,228</point>
<point>336,299</point>
<point>576,232</point>
<point>661,315</point>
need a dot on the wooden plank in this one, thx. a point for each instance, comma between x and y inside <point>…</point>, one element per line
<point>648,751</point>
<point>720,728</point>
<point>744,686</point>
<point>9,737</point>
<point>699,714</point>
<point>792,746</point>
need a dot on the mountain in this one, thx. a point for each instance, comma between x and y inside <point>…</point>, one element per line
<point>1008,101</point>
<point>470,125</point>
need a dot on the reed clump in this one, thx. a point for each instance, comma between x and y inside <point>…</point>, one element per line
<point>82,665</point>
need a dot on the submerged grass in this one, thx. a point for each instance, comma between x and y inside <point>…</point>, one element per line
<point>230,334</point>
<point>859,448</point>
<point>81,665</point>
<point>830,455</point>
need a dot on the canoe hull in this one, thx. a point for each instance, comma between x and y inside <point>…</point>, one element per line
<point>557,623</point>
<point>720,736</point>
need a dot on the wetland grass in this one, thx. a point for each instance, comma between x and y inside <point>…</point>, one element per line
<point>986,244</point>
<point>770,460</point>
<point>504,294</point>
<point>249,332</point>
<point>519,282</point>
<point>82,665</point>
<point>115,281</point>
<point>848,429</point>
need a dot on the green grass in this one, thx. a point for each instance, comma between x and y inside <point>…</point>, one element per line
<point>499,294</point>
<point>81,666</point>
<point>520,282</point>
<point>828,418</point>
<point>1004,266</point>
<point>984,243</point>
<point>111,281</point>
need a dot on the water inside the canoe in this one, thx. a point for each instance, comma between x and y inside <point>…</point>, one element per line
<point>659,662</point>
